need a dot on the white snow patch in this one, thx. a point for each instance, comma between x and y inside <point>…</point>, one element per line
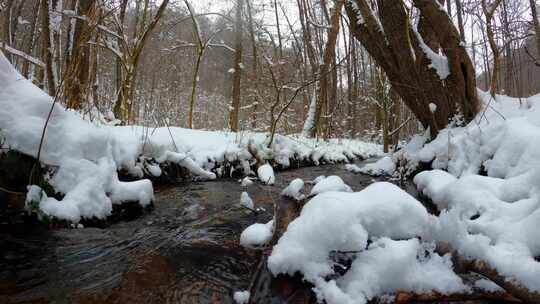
<point>246,201</point>
<point>266,174</point>
<point>257,234</point>
<point>293,189</point>
<point>330,183</point>
<point>241,297</point>
<point>432,107</point>
<point>343,222</point>
<point>246,181</point>
<point>383,166</point>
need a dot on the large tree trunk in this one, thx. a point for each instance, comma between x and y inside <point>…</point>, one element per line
<point>401,51</point>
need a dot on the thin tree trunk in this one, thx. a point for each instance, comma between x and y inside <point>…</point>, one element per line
<point>237,76</point>
<point>77,80</point>
<point>328,62</point>
<point>47,48</point>
<point>489,11</point>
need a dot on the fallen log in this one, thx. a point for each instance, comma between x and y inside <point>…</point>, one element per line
<point>463,264</point>
<point>476,295</point>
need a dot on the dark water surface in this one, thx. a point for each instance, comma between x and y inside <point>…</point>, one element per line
<point>186,250</point>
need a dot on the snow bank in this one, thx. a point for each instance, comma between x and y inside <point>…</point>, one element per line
<point>384,166</point>
<point>335,222</point>
<point>492,218</point>
<point>86,156</point>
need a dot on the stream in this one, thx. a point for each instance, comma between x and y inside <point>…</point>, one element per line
<point>185,250</point>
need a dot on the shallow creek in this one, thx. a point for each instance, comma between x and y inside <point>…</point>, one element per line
<point>183,251</point>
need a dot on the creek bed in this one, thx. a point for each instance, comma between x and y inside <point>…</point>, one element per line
<point>186,250</point>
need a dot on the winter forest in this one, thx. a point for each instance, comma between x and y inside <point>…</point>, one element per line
<point>269,151</point>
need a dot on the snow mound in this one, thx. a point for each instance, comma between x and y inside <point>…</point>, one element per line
<point>266,174</point>
<point>388,266</point>
<point>86,156</point>
<point>246,182</point>
<point>293,189</point>
<point>334,222</point>
<point>330,183</point>
<point>246,201</point>
<point>241,297</point>
<point>384,166</point>
<point>257,234</point>
<point>491,218</point>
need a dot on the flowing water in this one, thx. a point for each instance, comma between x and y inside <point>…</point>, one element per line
<point>186,250</point>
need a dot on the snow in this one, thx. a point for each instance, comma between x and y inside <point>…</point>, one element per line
<point>319,178</point>
<point>87,155</point>
<point>487,285</point>
<point>257,234</point>
<point>293,189</point>
<point>383,166</point>
<point>438,62</point>
<point>432,107</point>
<point>246,201</point>
<point>246,182</point>
<point>344,222</point>
<point>389,265</point>
<point>241,297</point>
<point>309,123</point>
<point>330,183</point>
<point>490,218</point>
<point>485,182</point>
<point>266,174</point>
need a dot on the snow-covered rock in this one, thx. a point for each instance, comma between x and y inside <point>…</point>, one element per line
<point>266,174</point>
<point>241,297</point>
<point>343,222</point>
<point>246,182</point>
<point>246,201</point>
<point>383,166</point>
<point>330,183</point>
<point>293,189</point>
<point>257,234</point>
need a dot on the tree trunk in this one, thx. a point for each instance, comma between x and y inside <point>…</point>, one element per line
<point>237,76</point>
<point>328,63</point>
<point>489,11</point>
<point>536,25</point>
<point>47,48</point>
<point>400,50</point>
<point>76,82</point>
